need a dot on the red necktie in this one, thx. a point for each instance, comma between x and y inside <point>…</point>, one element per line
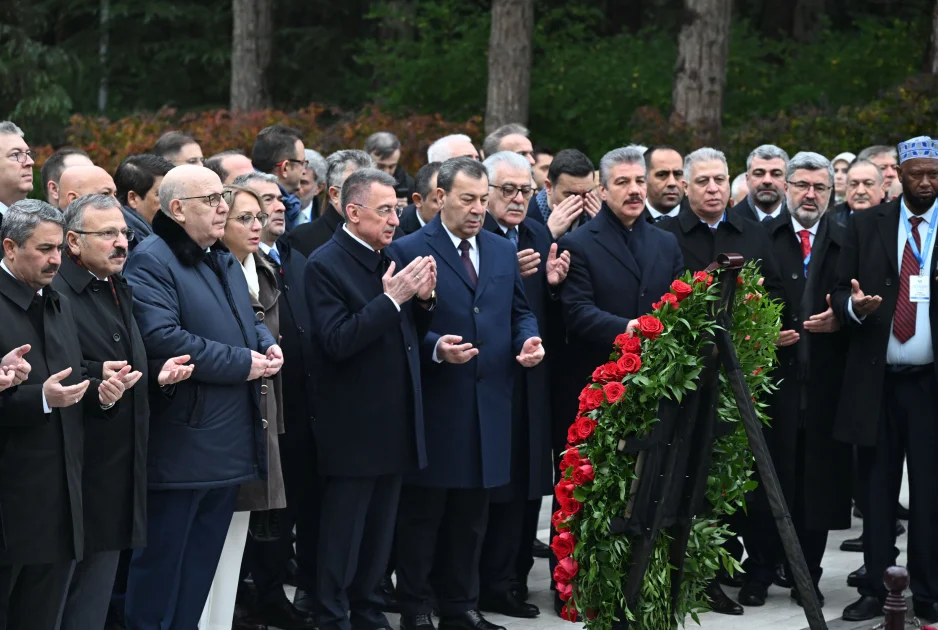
<point>903,324</point>
<point>805,236</point>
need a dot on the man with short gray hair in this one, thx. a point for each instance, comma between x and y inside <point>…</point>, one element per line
<point>766,167</point>
<point>511,137</point>
<point>455,145</point>
<point>865,188</point>
<point>16,166</point>
<point>312,183</point>
<point>887,159</point>
<point>369,312</point>
<point>309,237</point>
<point>44,420</point>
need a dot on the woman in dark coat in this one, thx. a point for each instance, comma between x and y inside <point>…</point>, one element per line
<point>246,217</point>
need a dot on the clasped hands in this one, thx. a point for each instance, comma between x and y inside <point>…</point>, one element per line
<point>418,278</point>
<point>266,365</point>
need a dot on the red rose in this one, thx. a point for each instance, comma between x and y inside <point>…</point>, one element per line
<point>564,591</point>
<point>629,343</point>
<point>757,371</point>
<point>572,436</point>
<point>571,458</point>
<point>681,289</point>
<point>558,518</point>
<point>563,544</point>
<point>650,326</point>
<point>629,363</point>
<point>753,296</point>
<point>607,372</point>
<point>570,506</point>
<point>568,613</point>
<point>613,391</point>
<point>671,299</point>
<point>565,570</point>
<point>564,489</point>
<point>584,425</point>
<point>591,398</point>
<point>703,276</point>
<point>739,280</point>
<point>583,474</point>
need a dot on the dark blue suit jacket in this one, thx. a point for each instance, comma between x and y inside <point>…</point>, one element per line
<point>468,406</point>
<point>369,412</point>
<point>608,285</point>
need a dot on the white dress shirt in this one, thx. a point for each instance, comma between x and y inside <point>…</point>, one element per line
<point>267,248</point>
<point>306,214</point>
<point>917,350</point>
<point>762,215</point>
<point>345,228</point>
<point>3,263</point>
<point>655,214</point>
<point>473,247</point>
<point>798,227</point>
<point>3,208</point>
<point>420,219</point>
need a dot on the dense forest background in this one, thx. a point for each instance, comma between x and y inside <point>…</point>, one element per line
<point>602,72</point>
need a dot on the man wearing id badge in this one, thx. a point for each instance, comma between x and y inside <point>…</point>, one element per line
<point>885,277</point>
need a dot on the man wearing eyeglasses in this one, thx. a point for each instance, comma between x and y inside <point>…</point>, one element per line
<point>814,470</point>
<point>16,166</point>
<point>279,150</point>
<point>369,313</point>
<point>114,473</point>
<point>79,181</point>
<point>190,297</point>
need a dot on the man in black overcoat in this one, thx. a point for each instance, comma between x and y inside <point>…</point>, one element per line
<point>42,425</point>
<point>765,177</point>
<point>864,190</point>
<point>815,471</point>
<point>369,409</point>
<point>114,476</point>
<point>425,205</point>
<point>885,277</point>
<point>507,554</point>
<point>309,237</point>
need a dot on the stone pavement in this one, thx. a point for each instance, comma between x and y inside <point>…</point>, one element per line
<point>779,613</point>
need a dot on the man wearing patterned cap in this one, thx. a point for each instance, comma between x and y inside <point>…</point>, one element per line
<point>885,277</point>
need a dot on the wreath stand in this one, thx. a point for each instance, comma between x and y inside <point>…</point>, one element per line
<point>674,459</point>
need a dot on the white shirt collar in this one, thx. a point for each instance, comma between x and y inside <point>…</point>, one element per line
<point>655,214</point>
<point>3,263</point>
<point>927,217</point>
<point>798,227</point>
<point>762,215</point>
<point>3,208</point>
<point>419,218</point>
<point>266,248</point>
<point>456,240</point>
<point>345,227</point>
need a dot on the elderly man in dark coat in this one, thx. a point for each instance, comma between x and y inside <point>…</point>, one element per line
<point>42,424</point>
<point>190,297</point>
<point>814,469</point>
<point>114,502</point>
<point>467,401</point>
<point>513,514</point>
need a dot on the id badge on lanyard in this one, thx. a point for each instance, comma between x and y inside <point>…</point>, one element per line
<point>919,286</point>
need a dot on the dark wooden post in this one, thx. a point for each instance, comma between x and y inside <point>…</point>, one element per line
<point>896,580</point>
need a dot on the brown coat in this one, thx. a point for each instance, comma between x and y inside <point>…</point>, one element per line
<point>267,494</point>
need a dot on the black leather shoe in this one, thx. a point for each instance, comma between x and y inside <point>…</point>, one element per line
<point>540,550</point>
<point>858,577</point>
<point>469,620</point>
<point>852,544</point>
<point>304,602</point>
<point>417,622</point>
<point>902,512</point>
<point>724,578</point>
<point>387,596</point>
<point>509,604</point>
<point>867,607</point>
<point>926,612</point>
<point>753,594</point>
<point>720,601</point>
<point>782,578</point>
<point>900,528</point>
<point>558,604</point>
<point>282,614</point>
<point>796,595</point>
<point>520,590</point>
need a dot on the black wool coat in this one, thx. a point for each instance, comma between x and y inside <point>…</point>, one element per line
<point>309,237</point>
<point>115,472</point>
<point>41,464</point>
<point>811,372</point>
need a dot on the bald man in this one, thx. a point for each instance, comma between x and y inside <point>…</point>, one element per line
<point>190,297</point>
<point>78,181</point>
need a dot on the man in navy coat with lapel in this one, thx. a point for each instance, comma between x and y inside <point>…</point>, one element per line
<point>481,328</point>
<point>369,409</point>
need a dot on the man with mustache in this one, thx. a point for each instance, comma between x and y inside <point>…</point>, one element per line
<point>114,475</point>
<point>43,422</point>
<point>765,178</point>
<point>665,182</point>
<point>512,527</point>
<point>865,189</point>
<point>885,279</point>
<point>814,470</point>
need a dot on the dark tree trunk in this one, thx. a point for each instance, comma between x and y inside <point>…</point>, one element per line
<point>509,63</point>
<point>700,73</point>
<point>250,54</point>
<point>931,61</point>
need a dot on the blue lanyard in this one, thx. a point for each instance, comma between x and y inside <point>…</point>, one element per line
<point>913,246</point>
<point>807,261</point>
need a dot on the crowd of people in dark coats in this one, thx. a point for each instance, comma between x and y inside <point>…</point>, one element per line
<point>224,375</point>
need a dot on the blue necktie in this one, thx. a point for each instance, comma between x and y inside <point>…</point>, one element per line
<point>513,236</point>
<point>274,255</point>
